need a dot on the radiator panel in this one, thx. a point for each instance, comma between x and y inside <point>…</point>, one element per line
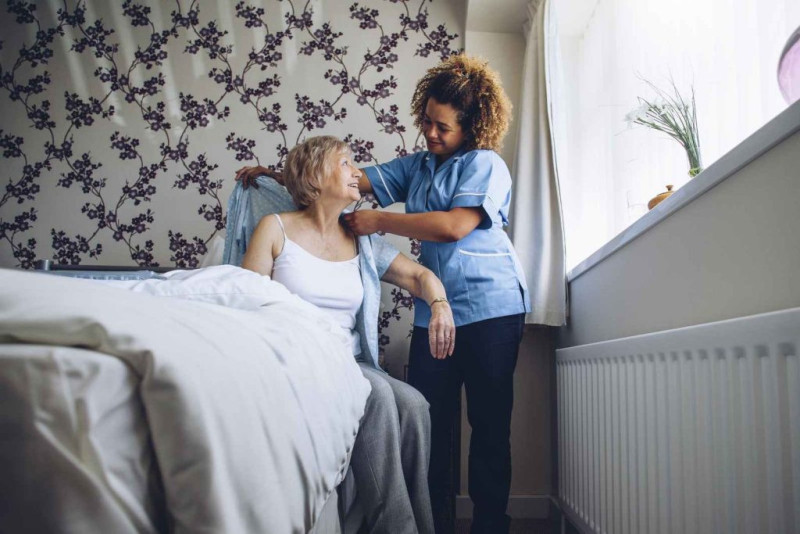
<point>690,430</point>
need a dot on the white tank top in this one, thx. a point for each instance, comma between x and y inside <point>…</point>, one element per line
<point>333,286</point>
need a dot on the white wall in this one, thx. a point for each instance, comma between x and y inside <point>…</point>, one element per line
<point>505,52</point>
<point>732,252</point>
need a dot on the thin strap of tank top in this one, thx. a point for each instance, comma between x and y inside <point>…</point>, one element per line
<point>280,222</point>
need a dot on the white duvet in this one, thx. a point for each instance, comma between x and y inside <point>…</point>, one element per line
<point>252,413</point>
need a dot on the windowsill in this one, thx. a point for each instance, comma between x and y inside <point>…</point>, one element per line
<point>783,126</point>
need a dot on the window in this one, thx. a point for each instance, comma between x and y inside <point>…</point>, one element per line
<point>727,49</point>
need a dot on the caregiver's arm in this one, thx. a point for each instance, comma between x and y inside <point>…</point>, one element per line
<point>440,226</point>
<point>364,185</point>
<point>248,175</point>
<point>422,283</point>
<point>265,244</point>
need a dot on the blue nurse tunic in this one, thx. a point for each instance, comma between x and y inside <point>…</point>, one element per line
<point>481,272</point>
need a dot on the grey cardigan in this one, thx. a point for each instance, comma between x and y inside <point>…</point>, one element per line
<point>246,207</point>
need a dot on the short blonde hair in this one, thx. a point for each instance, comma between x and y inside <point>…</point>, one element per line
<point>307,163</point>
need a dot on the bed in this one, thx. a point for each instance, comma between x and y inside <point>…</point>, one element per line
<point>191,410</point>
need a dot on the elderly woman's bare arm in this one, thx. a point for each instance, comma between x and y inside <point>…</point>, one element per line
<point>265,245</point>
<point>422,283</point>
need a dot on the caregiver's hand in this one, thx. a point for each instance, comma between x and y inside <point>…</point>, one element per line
<point>441,330</point>
<point>248,175</point>
<point>364,222</point>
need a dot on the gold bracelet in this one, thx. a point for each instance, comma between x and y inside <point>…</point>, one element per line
<point>439,299</point>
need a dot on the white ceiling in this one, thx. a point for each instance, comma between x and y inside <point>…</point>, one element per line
<point>500,16</point>
<point>509,16</point>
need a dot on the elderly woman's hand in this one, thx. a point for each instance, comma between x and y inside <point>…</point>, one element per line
<point>422,283</point>
<point>248,175</point>
<point>441,330</point>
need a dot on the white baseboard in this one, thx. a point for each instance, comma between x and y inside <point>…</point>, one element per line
<point>519,506</point>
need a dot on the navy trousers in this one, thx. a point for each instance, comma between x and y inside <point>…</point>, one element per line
<point>483,361</point>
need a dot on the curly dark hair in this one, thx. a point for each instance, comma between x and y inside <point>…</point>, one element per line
<point>475,91</point>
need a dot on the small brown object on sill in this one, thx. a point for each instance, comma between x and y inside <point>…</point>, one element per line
<point>659,197</point>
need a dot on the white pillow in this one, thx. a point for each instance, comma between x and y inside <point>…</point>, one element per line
<point>226,285</point>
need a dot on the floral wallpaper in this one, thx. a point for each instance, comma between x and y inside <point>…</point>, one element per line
<point>123,123</point>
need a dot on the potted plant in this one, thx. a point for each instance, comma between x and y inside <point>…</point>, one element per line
<point>672,114</point>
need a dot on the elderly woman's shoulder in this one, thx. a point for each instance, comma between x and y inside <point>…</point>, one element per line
<point>276,221</point>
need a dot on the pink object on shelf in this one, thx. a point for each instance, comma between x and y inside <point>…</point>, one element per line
<point>789,68</point>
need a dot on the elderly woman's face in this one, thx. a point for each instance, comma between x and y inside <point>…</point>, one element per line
<point>342,181</point>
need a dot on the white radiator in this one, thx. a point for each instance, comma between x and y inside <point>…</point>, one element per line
<point>688,430</point>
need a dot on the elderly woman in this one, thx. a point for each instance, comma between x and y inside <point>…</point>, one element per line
<point>317,258</point>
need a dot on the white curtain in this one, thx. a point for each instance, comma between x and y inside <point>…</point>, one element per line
<point>537,230</point>
<point>727,50</point>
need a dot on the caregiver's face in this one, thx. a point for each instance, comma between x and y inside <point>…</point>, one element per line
<point>442,130</point>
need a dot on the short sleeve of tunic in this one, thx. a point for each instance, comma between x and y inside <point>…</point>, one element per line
<point>383,253</point>
<point>390,180</point>
<point>484,183</point>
